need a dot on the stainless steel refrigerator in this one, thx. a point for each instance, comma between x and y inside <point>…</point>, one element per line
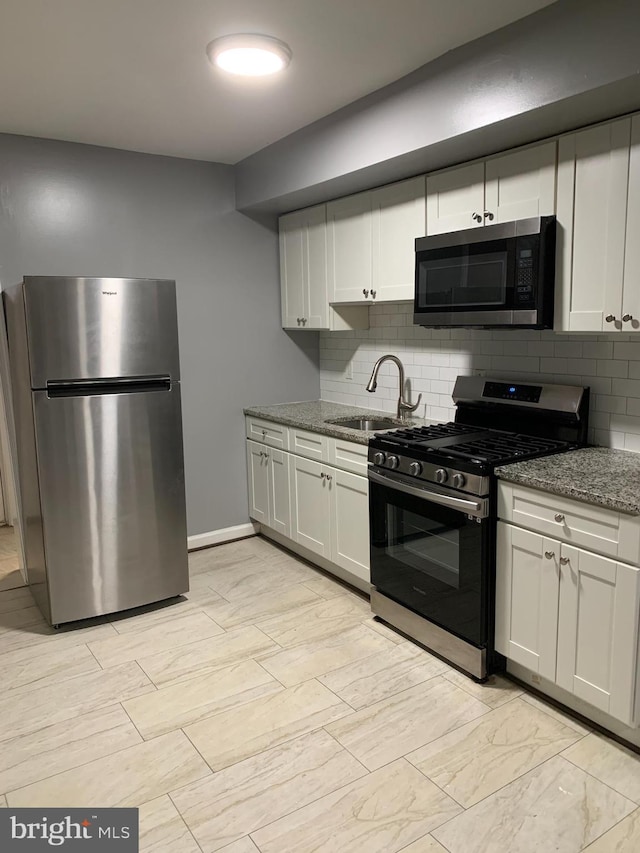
<point>96,389</point>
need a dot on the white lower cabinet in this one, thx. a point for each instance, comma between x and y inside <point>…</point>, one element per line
<point>571,616</point>
<point>310,513</point>
<point>330,514</point>
<point>527,584</point>
<point>350,522</point>
<point>268,478</point>
<point>322,507</point>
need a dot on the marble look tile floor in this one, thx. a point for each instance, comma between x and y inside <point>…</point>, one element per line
<point>267,712</point>
<point>10,574</point>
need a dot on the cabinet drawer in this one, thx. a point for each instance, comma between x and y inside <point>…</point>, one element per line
<point>594,528</point>
<point>312,445</point>
<point>268,432</point>
<point>348,455</point>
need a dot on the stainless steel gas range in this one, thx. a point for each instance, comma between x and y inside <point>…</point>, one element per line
<point>433,510</point>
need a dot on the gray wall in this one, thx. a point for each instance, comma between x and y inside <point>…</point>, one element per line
<point>69,209</point>
<point>571,63</point>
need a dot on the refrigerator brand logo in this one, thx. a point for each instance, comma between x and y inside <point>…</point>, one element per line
<point>43,829</point>
<point>109,292</point>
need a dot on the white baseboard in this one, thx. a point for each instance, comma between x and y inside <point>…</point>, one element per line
<point>225,534</point>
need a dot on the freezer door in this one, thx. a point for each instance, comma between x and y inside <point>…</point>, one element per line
<point>92,328</point>
<point>111,478</point>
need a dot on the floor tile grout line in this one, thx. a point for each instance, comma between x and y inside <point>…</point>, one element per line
<point>346,749</point>
<point>610,829</point>
<point>146,802</point>
<point>98,662</point>
<point>85,763</point>
<point>551,711</point>
<point>597,778</point>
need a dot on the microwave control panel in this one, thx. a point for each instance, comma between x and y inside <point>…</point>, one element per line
<point>524,275</point>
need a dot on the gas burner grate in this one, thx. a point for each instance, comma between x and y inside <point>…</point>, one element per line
<point>426,433</point>
<point>506,448</point>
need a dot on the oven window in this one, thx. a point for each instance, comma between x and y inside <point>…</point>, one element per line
<point>467,281</point>
<point>424,545</point>
<point>431,559</point>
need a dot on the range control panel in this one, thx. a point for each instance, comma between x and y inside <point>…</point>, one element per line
<point>506,391</point>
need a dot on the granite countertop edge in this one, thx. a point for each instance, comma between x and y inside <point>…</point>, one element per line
<point>313,414</point>
<point>600,476</point>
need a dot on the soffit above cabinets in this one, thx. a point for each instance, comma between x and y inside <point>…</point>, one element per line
<point>134,75</point>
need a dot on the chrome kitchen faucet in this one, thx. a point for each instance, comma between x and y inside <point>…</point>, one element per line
<point>403,407</point>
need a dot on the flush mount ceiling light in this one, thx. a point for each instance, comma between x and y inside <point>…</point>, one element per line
<point>249,55</point>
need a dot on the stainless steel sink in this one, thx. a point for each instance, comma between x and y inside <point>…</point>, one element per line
<point>368,424</point>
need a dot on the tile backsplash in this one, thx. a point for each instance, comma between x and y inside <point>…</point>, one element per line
<point>609,364</point>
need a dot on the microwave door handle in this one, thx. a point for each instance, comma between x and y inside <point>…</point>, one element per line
<point>435,497</point>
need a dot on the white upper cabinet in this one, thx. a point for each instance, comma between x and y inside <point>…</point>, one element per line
<point>593,179</point>
<point>516,185</point>
<point>631,282</point>
<point>303,275</point>
<point>521,184</point>
<point>371,243</point>
<point>455,199</point>
<point>303,269</point>
<point>398,216</point>
<point>350,248</point>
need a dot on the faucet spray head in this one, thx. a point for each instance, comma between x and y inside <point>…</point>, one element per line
<point>372,385</point>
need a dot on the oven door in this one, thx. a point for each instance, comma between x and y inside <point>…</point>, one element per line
<point>430,552</point>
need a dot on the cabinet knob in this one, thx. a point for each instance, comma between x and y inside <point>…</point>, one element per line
<point>373,293</point>
<point>559,517</point>
<point>328,477</point>
<point>627,317</point>
<point>304,321</point>
<point>549,554</point>
<point>476,217</point>
<point>564,561</point>
<point>322,475</point>
<point>610,318</point>
<point>488,215</point>
<point>365,291</point>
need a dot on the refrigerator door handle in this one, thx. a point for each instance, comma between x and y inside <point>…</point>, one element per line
<point>91,387</point>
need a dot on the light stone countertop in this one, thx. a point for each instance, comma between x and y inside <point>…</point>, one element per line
<point>314,414</point>
<point>596,475</point>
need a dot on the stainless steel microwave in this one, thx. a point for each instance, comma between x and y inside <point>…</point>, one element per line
<point>493,276</point>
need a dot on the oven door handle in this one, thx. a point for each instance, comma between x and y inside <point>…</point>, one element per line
<point>463,504</point>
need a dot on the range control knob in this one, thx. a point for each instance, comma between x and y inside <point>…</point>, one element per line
<point>379,458</point>
<point>442,475</point>
<point>392,461</point>
<point>458,481</point>
<point>415,469</point>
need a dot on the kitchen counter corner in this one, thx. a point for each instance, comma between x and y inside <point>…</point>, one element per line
<point>595,475</point>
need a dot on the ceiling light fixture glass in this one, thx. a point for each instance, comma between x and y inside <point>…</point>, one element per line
<point>250,55</point>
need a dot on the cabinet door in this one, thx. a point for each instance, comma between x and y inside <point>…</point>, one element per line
<point>631,287</point>
<point>593,175</point>
<point>292,269</point>
<point>398,217</point>
<point>598,631</point>
<point>258,481</point>
<point>279,501</point>
<point>521,184</point>
<point>527,582</point>
<point>349,248</point>
<point>455,199</point>
<point>310,513</point>
<point>316,302</point>
<point>303,269</point>
<point>350,522</point>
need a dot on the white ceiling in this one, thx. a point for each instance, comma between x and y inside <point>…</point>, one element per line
<point>133,73</point>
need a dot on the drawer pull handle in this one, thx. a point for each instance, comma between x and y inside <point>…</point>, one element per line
<point>564,561</point>
<point>559,517</point>
<point>549,554</point>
